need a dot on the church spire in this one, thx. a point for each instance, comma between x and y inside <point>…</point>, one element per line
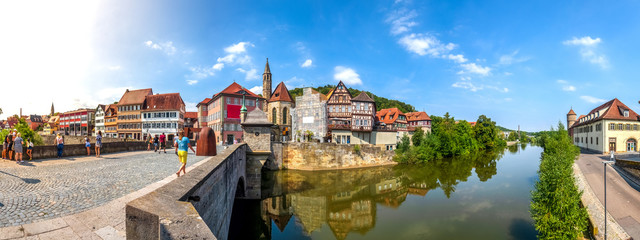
<point>266,67</point>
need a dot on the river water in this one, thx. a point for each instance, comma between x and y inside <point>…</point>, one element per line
<point>485,196</point>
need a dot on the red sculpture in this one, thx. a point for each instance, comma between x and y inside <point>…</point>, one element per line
<point>206,145</point>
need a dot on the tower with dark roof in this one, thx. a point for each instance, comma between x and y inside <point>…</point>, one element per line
<point>52,112</point>
<point>266,82</point>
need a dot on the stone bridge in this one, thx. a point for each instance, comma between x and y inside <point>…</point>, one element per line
<point>199,204</point>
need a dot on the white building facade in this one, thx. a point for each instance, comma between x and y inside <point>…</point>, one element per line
<point>100,120</point>
<point>163,113</point>
<point>309,116</point>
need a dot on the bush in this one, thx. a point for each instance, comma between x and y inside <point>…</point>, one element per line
<point>555,201</point>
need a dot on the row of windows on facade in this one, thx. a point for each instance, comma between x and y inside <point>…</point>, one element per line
<point>214,116</point>
<point>360,122</point>
<point>582,140</point>
<point>274,114</point>
<point>112,128</point>
<point>612,126</point>
<point>339,109</point>
<point>129,126</point>
<point>82,117</point>
<point>128,117</point>
<point>160,125</point>
<point>234,101</point>
<point>421,123</point>
<point>129,108</point>
<point>160,115</point>
<point>391,117</point>
<point>227,127</point>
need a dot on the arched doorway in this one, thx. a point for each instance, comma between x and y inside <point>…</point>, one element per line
<point>632,145</point>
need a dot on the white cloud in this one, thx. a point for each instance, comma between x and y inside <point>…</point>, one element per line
<point>475,69</point>
<point>218,66</point>
<point>190,106</point>
<point>347,75</point>
<point>249,74</point>
<point>511,58</point>
<point>192,82</point>
<point>200,72</point>
<point>583,41</point>
<point>401,21</point>
<point>591,99</point>
<point>166,47</point>
<point>459,58</point>
<point>227,59</point>
<point>306,63</point>
<point>589,50</point>
<point>256,89</point>
<point>423,44</point>
<point>467,85</point>
<point>238,47</point>
<point>114,68</point>
<point>566,86</point>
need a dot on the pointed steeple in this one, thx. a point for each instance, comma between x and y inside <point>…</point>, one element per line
<point>266,67</point>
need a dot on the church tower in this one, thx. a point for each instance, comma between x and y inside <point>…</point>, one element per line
<point>571,118</point>
<point>52,112</point>
<point>266,83</point>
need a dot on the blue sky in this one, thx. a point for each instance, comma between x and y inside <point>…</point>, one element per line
<point>520,63</point>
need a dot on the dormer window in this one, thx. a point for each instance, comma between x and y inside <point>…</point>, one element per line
<point>626,113</point>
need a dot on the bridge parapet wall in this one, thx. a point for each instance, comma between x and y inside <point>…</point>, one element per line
<point>197,205</point>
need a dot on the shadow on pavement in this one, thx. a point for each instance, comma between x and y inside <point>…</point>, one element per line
<point>26,180</point>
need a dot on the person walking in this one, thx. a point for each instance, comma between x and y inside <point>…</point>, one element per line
<point>87,144</point>
<point>182,148</point>
<point>162,143</point>
<point>98,143</point>
<point>149,142</point>
<point>30,149</point>
<point>17,147</point>
<point>60,143</point>
<point>155,143</point>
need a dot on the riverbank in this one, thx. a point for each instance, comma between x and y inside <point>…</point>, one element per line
<point>332,156</point>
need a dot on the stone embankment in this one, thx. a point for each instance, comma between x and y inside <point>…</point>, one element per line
<point>329,156</point>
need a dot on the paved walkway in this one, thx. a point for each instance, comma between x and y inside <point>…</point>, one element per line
<point>622,199</point>
<point>48,189</point>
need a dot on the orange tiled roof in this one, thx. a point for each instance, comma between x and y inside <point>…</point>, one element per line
<point>134,96</point>
<point>388,115</point>
<point>571,112</point>
<point>191,115</point>
<point>167,101</point>
<point>614,111</point>
<point>205,101</point>
<point>417,116</point>
<point>281,94</point>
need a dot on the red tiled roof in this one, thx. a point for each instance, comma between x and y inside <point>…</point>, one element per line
<point>417,116</point>
<point>388,115</point>
<point>113,108</point>
<point>167,101</point>
<point>571,112</point>
<point>236,89</point>
<point>281,94</point>
<point>614,111</point>
<point>134,96</point>
<point>191,115</point>
<point>205,101</point>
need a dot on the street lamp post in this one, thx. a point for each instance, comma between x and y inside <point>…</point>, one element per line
<point>604,163</point>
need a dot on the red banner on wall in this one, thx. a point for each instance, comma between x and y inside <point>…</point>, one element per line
<point>233,111</point>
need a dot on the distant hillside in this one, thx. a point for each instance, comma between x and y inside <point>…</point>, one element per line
<point>381,103</point>
<point>504,129</point>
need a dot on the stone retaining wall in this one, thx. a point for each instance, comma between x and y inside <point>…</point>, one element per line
<point>326,156</point>
<point>50,139</point>
<point>197,205</point>
<point>631,167</point>
<point>40,152</point>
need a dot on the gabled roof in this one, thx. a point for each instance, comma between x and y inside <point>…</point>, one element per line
<point>236,89</point>
<point>191,115</point>
<point>614,110</point>
<point>101,106</point>
<point>167,101</point>
<point>333,91</point>
<point>363,97</point>
<point>205,101</point>
<point>388,115</point>
<point>134,96</point>
<point>571,112</point>
<point>113,108</point>
<point>256,118</point>
<point>417,116</point>
<point>281,94</point>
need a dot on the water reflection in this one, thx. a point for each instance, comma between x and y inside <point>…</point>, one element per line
<point>347,201</point>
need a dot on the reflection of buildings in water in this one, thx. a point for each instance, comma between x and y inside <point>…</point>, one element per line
<point>420,189</point>
<point>278,210</point>
<point>310,211</point>
<point>359,216</point>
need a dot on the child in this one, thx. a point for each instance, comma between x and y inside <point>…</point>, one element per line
<point>87,144</point>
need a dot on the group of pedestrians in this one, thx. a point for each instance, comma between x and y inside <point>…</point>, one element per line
<point>98,144</point>
<point>158,142</point>
<point>12,147</point>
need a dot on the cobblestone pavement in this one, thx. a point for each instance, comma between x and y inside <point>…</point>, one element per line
<point>34,192</point>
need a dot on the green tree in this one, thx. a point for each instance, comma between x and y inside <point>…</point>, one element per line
<point>418,137</point>
<point>487,134</point>
<point>555,201</point>
<point>26,132</point>
<point>404,144</point>
<point>512,136</point>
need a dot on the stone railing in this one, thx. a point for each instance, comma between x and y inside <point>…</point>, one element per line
<point>197,205</point>
<point>40,152</point>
